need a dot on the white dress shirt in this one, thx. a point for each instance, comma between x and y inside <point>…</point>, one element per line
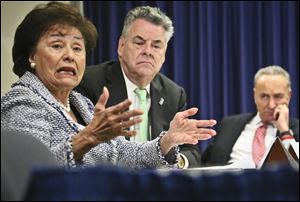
<point>130,87</point>
<point>242,149</point>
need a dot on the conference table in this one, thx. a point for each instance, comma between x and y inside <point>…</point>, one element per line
<point>279,183</point>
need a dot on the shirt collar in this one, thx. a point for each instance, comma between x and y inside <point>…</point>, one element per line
<point>258,122</point>
<point>131,85</point>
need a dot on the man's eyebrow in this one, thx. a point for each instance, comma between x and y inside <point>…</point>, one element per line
<point>157,41</point>
<point>139,37</point>
<point>278,94</point>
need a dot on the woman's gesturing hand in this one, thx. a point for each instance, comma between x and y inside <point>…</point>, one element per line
<point>107,124</point>
<point>186,131</point>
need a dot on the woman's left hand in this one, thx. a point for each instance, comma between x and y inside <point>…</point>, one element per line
<point>107,124</point>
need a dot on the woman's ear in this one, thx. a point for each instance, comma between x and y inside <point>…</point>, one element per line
<point>32,62</point>
<point>31,59</point>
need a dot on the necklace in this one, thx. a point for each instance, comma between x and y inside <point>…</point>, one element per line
<point>66,108</point>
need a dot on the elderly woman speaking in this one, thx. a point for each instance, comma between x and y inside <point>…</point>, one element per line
<point>49,55</point>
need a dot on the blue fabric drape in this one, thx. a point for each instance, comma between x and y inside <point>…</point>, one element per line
<point>216,49</point>
<point>119,184</point>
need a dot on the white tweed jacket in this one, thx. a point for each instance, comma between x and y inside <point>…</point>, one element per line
<point>30,109</point>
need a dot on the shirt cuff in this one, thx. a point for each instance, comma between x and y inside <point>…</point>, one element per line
<point>71,162</point>
<point>171,158</point>
<point>70,155</point>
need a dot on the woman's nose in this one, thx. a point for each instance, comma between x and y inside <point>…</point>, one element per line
<point>69,55</point>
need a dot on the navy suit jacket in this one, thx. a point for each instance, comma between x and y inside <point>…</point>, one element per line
<point>109,74</point>
<point>229,130</point>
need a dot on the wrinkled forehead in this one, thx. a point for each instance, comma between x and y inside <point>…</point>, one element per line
<point>147,30</point>
<point>272,79</point>
<point>61,30</point>
<point>272,83</point>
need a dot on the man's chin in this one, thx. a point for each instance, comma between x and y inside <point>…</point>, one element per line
<point>268,118</point>
<point>145,73</point>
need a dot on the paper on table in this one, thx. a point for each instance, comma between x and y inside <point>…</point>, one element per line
<point>243,164</point>
<point>295,146</point>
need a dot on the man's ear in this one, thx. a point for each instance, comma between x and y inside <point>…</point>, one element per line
<point>121,45</point>
<point>290,96</point>
<point>254,96</point>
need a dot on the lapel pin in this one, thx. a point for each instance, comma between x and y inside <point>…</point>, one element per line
<point>161,101</point>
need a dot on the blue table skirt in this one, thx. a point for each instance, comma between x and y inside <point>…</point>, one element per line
<point>114,183</point>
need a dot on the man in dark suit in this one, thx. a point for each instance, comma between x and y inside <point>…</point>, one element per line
<point>142,47</point>
<point>272,94</point>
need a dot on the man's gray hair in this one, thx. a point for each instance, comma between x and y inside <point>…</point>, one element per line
<point>151,14</point>
<point>273,70</point>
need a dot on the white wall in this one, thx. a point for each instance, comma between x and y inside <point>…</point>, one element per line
<point>12,14</point>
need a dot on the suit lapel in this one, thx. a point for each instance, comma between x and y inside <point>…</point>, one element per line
<point>231,132</point>
<point>116,85</point>
<point>240,125</point>
<point>157,108</point>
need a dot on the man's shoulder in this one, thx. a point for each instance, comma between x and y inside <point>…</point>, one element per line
<point>238,117</point>
<point>166,82</point>
<point>294,124</point>
<point>102,66</point>
<point>98,72</point>
<point>294,120</point>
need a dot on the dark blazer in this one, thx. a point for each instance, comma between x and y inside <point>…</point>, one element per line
<point>109,74</point>
<point>230,128</point>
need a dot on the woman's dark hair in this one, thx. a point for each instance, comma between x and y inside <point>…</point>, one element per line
<point>38,22</point>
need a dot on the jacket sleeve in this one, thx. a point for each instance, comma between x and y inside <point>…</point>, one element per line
<point>26,113</point>
<point>192,152</point>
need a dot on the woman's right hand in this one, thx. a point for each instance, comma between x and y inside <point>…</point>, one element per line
<point>107,124</point>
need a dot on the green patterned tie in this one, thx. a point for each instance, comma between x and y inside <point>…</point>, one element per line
<point>142,136</point>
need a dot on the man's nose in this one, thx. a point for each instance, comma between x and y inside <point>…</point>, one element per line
<point>147,49</point>
<point>272,103</point>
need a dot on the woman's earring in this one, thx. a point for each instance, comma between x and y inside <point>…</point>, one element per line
<point>32,65</point>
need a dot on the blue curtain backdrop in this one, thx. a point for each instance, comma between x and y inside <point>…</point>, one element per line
<point>216,49</point>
